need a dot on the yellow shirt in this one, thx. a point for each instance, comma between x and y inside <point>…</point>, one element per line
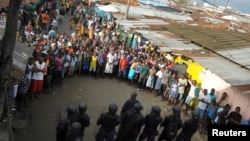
<point>93,62</point>
<point>67,5</point>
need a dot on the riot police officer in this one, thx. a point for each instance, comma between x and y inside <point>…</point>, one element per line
<point>72,113</point>
<point>83,118</point>
<point>189,128</point>
<point>73,132</point>
<point>171,124</point>
<point>131,124</point>
<point>107,122</point>
<point>151,123</point>
<point>63,124</point>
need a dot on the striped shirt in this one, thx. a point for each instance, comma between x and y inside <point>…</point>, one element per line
<point>22,86</point>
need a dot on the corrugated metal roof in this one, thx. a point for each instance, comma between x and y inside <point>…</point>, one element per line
<point>160,38</point>
<point>140,23</point>
<point>231,45</point>
<point>138,11</point>
<point>229,72</point>
<point>5,3</point>
<point>21,54</point>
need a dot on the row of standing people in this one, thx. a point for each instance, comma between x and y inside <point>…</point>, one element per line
<point>130,122</point>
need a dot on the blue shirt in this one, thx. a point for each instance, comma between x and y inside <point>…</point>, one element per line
<point>134,43</point>
<point>211,112</point>
<point>246,122</point>
<point>130,58</point>
<point>212,97</point>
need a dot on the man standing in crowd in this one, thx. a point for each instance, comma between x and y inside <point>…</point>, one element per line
<point>142,76</point>
<point>203,102</point>
<point>110,63</point>
<point>22,92</point>
<point>37,78</point>
<point>123,64</point>
<point>101,63</point>
<point>222,114</point>
<point>107,122</point>
<point>212,95</point>
<point>234,117</point>
<point>182,83</point>
<point>192,94</point>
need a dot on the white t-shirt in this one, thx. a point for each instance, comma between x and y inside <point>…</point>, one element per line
<point>45,36</point>
<point>79,55</point>
<point>217,117</point>
<point>182,83</point>
<point>206,98</point>
<point>30,67</point>
<point>38,75</point>
<point>191,92</point>
<point>115,59</point>
<point>111,58</point>
<point>159,74</point>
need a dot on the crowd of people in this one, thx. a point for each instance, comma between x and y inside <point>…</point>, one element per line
<point>94,48</point>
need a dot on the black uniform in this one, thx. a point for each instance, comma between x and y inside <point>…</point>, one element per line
<point>83,118</point>
<point>151,123</point>
<point>171,124</point>
<point>131,124</point>
<point>74,132</point>
<point>129,104</point>
<point>189,128</point>
<point>64,124</point>
<point>62,128</point>
<point>108,121</point>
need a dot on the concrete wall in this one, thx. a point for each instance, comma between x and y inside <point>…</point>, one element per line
<point>235,98</point>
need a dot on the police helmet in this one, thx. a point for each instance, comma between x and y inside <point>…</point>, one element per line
<point>71,109</point>
<point>76,126</point>
<point>176,110</point>
<point>138,107</point>
<point>113,108</point>
<point>82,107</point>
<point>195,116</point>
<point>156,109</point>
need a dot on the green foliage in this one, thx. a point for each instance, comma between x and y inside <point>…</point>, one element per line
<point>182,2</point>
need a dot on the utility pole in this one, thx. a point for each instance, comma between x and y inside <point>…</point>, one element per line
<point>187,6</point>
<point>7,45</point>
<point>215,12</point>
<point>226,6</point>
<point>127,10</point>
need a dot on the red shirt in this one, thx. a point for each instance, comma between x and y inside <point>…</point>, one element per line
<point>59,63</point>
<point>123,63</point>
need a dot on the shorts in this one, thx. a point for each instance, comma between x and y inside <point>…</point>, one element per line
<point>92,69</point>
<point>172,94</point>
<point>180,96</point>
<point>201,113</point>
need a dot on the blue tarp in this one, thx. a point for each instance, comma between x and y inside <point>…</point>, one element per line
<point>104,15</point>
<point>99,12</point>
<point>154,3</point>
